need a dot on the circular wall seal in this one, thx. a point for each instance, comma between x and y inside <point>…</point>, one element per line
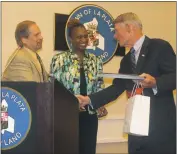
<point>100,28</point>
<point>15,118</point>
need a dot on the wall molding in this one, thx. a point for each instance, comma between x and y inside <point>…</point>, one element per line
<point>113,117</point>
<point>111,140</point>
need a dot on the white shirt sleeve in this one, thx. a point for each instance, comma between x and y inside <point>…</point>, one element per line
<point>154,90</point>
<point>90,103</point>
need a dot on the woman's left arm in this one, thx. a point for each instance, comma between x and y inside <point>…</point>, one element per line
<point>56,66</point>
<point>101,112</point>
<point>100,82</point>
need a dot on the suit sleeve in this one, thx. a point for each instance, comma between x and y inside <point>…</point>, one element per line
<point>109,94</point>
<point>167,68</point>
<point>18,70</point>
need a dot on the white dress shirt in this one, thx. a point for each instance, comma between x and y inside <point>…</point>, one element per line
<point>137,46</point>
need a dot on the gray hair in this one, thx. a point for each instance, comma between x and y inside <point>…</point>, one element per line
<point>129,18</point>
<point>22,31</point>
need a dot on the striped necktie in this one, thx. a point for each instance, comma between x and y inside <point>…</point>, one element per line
<point>42,69</point>
<point>133,60</point>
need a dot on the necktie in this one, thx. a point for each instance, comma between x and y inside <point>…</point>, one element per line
<point>133,60</point>
<point>40,62</point>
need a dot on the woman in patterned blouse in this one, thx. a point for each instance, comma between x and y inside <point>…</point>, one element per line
<point>78,71</point>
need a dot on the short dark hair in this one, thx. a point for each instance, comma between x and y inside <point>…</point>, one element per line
<point>73,23</point>
<point>22,31</point>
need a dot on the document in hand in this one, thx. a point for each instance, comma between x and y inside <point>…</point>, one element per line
<point>121,76</point>
<point>137,114</point>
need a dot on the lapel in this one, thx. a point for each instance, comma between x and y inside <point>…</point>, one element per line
<point>126,67</point>
<point>35,63</point>
<point>85,63</point>
<point>142,55</point>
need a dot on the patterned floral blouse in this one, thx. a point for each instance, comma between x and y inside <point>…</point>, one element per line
<point>66,69</point>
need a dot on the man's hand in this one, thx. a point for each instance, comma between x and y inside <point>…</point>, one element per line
<point>83,100</point>
<point>101,112</point>
<point>148,82</point>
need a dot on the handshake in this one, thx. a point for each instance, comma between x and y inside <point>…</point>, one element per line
<point>85,100</point>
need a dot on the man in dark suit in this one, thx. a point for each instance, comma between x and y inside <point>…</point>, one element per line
<point>155,60</point>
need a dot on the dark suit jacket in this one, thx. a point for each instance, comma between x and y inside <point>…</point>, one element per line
<point>158,59</point>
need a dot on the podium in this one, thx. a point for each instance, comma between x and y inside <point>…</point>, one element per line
<point>38,118</point>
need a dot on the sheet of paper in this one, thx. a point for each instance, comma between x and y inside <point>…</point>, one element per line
<point>121,76</point>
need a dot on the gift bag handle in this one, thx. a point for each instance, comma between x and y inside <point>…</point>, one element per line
<point>136,85</point>
<point>134,89</point>
<point>143,88</point>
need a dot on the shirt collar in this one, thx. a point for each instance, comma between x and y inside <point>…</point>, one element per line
<point>86,54</point>
<point>32,53</point>
<point>139,43</point>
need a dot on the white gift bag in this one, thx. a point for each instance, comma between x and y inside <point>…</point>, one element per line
<point>137,114</point>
